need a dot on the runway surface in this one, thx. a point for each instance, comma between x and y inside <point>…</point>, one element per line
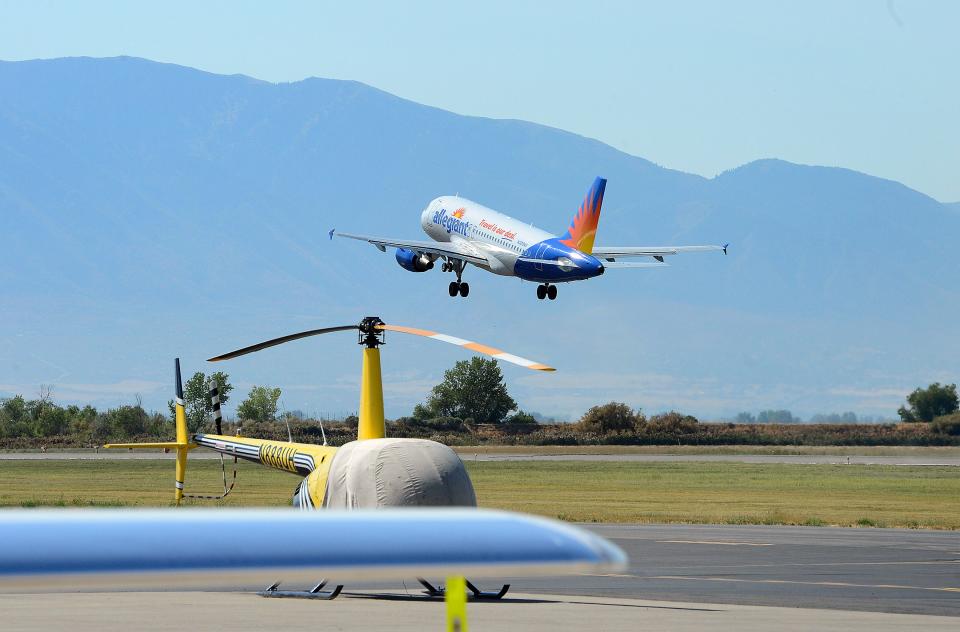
<point>528,613</point>
<point>682,577</point>
<point>879,570</point>
<point>804,459</point>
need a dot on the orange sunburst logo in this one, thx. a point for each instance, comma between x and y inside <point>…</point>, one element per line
<point>583,228</point>
<point>459,212</point>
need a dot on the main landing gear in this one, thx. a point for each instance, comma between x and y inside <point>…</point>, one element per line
<point>456,287</point>
<point>546,291</point>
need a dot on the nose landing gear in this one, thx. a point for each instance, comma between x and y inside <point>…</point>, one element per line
<point>547,291</point>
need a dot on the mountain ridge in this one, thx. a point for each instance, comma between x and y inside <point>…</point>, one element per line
<point>154,209</point>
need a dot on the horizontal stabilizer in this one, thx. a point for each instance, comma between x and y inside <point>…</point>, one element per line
<point>168,445</point>
<point>617,265</point>
<point>609,253</point>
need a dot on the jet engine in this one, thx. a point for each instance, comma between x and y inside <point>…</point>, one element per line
<point>409,260</point>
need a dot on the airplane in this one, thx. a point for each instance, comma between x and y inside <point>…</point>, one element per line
<point>372,472</point>
<point>466,232</point>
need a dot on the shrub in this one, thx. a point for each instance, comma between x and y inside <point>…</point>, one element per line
<point>520,418</point>
<point>448,424</point>
<point>610,417</point>
<point>947,424</point>
<point>672,422</point>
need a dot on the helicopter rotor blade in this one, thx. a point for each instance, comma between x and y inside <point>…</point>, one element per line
<point>473,346</point>
<point>280,341</point>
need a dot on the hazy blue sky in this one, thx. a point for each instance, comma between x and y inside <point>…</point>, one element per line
<point>697,86</point>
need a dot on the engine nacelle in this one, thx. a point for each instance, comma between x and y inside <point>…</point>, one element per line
<point>409,260</point>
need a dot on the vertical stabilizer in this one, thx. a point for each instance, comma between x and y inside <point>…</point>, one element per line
<point>583,228</point>
<point>182,445</point>
<point>180,419</point>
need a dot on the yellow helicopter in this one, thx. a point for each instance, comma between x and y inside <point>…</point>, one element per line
<point>372,472</point>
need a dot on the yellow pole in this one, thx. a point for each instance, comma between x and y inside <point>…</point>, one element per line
<point>371,424</point>
<point>456,599</point>
<point>180,420</point>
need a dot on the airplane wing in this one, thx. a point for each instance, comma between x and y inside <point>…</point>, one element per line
<point>457,250</point>
<point>612,253</point>
<point>118,549</point>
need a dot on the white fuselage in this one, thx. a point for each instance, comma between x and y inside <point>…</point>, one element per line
<point>500,238</point>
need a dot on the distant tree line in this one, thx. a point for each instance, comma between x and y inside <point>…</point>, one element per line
<point>40,418</point>
<point>786,417</point>
<point>472,406</point>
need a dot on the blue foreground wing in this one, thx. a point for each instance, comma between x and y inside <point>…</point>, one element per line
<point>70,549</point>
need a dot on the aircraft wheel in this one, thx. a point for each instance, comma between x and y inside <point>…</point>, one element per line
<point>541,292</point>
<point>552,292</point>
<point>454,288</point>
<point>464,289</point>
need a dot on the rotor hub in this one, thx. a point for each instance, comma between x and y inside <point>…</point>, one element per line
<point>370,336</point>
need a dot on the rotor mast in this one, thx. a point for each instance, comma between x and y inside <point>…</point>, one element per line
<point>371,424</point>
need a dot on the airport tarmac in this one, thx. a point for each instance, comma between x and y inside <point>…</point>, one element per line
<point>875,570</point>
<point>681,577</point>
<point>802,459</point>
<point>528,613</point>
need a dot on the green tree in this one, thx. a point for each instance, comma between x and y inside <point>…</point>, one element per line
<point>81,420</point>
<point>610,417</point>
<point>196,398</point>
<point>520,418</point>
<point>260,404</point>
<point>472,389</point>
<point>125,421</point>
<point>924,404</point>
<point>14,417</point>
<point>51,421</point>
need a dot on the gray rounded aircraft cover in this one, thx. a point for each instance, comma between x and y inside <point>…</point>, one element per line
<point>397,473</point>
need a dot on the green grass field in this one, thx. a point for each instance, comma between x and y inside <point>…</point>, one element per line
<point>799,450</point>
<point>726,493</point>
<point>916,451</point>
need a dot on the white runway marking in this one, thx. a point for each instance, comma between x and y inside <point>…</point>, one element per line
<point>791,581</point>
<point>714,542</point>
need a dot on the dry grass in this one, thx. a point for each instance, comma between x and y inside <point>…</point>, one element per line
<point>785,450</point>
<point>730,493</point>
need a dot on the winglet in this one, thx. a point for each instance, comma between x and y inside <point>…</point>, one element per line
<point>332,231</point>
<point>725,248</point>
